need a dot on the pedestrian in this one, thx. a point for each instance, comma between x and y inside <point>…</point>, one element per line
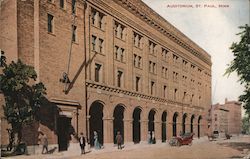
<point>119,140</point>
<point>82,143</point>
<point>153,137</point>
<point>149,137</point>
<point>44,142</point>
<point>96,142</point>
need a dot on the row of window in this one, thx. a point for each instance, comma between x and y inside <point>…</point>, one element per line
<point>51,27</point>
<point>98,43</point>
<point>138,85</point>
<point>62,4</point>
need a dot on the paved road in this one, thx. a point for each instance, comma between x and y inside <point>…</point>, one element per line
<point>235,148</point>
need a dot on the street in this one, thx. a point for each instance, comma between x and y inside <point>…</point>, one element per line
<point>236,147</point>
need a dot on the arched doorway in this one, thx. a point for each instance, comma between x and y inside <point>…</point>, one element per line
<point>192,124</point>
<point>151,118</point>
<point>118,121</point>
<point>175,124</point>
<point>96,122</point>
<point>164,126</point>
<point>199,122</point>
<point>184,123</point>
<point>136,125</point>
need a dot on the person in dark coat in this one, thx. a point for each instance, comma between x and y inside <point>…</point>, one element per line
<point>119,140</point>
<point>82,143</point>
<point>44,142</point>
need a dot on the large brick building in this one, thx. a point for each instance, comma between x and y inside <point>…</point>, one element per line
<point>129,69</point>
<point>227,117</point>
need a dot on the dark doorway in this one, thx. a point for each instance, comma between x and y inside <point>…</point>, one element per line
<point>151,123</point>
<point>118,121</point>
<point>136,125</point>
<point>63,128</point>
<point>192,124</point>
<point>175,124</point>
<point>96,122</point>
<point>164,126</point>
<point>184,123</point>
<point>199,122</point>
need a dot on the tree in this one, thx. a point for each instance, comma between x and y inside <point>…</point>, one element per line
<point>22,98</point>
<point>245,124</point>
<point>241,64</point>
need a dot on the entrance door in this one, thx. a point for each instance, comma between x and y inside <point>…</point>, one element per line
<point>63,125</point>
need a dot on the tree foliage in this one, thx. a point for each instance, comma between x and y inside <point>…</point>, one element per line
<point>241,64</point>
<point>23,97</point>
<point>245,125</point>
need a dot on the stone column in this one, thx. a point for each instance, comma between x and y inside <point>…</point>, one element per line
<point>128,130</point>
<point>144,130</point>
<point>158,131</point>
<point>195,129</point>
<point>108,130</point>
<point>169,130</point>
<point>178,128</point>
<point>188,125</point>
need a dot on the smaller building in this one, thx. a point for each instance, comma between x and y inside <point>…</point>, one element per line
<point>226,117</point>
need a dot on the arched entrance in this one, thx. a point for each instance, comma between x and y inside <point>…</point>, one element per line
<point>151,118</point>
<point>199,122</point>
<point>96,122</point>
<point>184,123</point>
<point>192,124</point>
<point>136,125</point>
<point>175,124</point>
<point>118,121</point>
<point>164,126</point>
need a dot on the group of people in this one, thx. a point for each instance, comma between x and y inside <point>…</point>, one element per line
<point>82,142</point>
<point>97,145</point>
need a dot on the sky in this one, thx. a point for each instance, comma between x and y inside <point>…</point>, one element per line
<point>213,25</point>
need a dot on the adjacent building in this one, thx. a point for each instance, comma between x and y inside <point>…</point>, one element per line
<point>108,65</point>
<point>227,117</point>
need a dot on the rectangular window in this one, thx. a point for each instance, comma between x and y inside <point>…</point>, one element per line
<point>97,19</point>
<point>93,43</point>
<point>119,78</point>
<point>73,33</point>
<point>152,47</point>
<point>137,83</point>
<point>139,62</point>
<point>164,91</point>
<point>50,23</point>
<point>122,54</point>
<point>62,4</point>
<point>119,30</point>
<point>101,45</point>
<point>137,40</point>
<point>97,72</point>
<point>73,6</point>
<point>175,94</point>
<point>116,52</point>
<point>152,87</point>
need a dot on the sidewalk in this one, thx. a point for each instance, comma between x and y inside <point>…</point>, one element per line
<point>74,153</point>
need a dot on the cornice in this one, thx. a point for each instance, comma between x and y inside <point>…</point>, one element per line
<point>141,10</point>
<point>128,21</point>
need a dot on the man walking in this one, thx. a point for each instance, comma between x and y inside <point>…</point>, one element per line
<point>119,140</point>
<point>44,142</point>
<point>82,143</point>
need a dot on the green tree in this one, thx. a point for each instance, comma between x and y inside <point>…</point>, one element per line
<point>23,97</point>
<point>245,124</point>
<point>241,64</point>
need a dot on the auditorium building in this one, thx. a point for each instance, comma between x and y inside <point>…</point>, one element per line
<point>108,66</point>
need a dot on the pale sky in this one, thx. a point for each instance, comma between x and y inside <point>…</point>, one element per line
<point>213,29</point>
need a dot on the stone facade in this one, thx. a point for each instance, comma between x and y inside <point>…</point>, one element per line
<point>129,69</point>
<point>227,117</point>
